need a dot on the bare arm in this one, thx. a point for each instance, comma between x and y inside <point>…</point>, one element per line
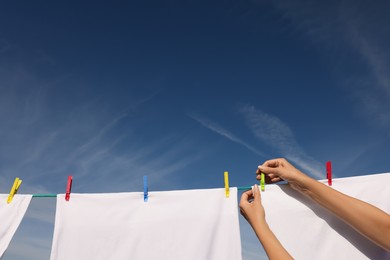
<point>368,220</point>
<point>365,218</point>
<point>253,212</point>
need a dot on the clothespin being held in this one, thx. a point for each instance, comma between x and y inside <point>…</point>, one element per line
<point>14,189</point>
<point>262,181</point>
<point>227,190</point>
<point>146,190</point>
<point>329,172</point>
<point>68,187</point>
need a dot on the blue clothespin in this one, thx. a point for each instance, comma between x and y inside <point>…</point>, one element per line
<point>145,188</point>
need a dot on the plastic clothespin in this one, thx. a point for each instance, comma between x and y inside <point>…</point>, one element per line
<point>68,188</point>
<point>227,190</point>
<point>146,195</point>
<point>14,189</point>
<point>329,172</point>
<point>262,181</point>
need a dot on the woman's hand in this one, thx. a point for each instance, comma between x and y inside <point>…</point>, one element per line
<point>280,169</point>
<point>253,211</point>
<point>251,207</point>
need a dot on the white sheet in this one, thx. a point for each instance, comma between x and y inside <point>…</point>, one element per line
<point>310,232</point>
<point>192,224</point>
<point>10,217</point>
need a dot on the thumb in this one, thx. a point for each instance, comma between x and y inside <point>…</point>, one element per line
<point>256,192</point>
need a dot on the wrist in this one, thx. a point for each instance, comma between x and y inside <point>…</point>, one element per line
<point>259,225</point>
<point>306,183</point>
<point>262,230</point>
<point>301,183</point>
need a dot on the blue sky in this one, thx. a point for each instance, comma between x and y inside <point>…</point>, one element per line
<point>182,91</point>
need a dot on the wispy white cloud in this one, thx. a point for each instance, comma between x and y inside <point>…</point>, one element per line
<point>271,131</point>
<point>101,144</point>
<point>372,92</point>
<point>275,133</point>
<point>158,160</point>
<point>355,30</point>
<point>225,133</point>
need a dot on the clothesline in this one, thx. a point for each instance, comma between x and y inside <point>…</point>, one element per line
<point>55,195</point>
<point>18,182</point>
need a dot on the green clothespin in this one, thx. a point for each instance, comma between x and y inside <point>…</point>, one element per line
<point>262,182</point>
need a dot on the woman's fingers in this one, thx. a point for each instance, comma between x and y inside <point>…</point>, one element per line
<point>270,178</point>
<point>245,197</point>
<point>256,193</point>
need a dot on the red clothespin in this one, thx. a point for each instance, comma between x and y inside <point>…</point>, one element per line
<point>68,188</point>
<point>329,172</point>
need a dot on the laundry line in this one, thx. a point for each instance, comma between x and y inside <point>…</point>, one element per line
<point>55,195</point>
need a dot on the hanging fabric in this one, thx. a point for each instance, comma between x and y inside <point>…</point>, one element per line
<point>190,224</point>
<point>11,214</point>
<point>309,231</point>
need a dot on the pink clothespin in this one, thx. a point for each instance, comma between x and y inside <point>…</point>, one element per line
<point>68,188</point>
<point>329,172</point>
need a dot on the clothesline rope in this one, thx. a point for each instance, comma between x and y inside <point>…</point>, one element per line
<point>55,195</point>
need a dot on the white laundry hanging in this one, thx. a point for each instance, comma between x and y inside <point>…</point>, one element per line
<point>11,215</point>
<point>191,224</point>
<point>309,231</point>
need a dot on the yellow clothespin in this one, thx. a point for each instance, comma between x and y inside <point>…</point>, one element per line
<point>226,175</point>
<point>14,189</point>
